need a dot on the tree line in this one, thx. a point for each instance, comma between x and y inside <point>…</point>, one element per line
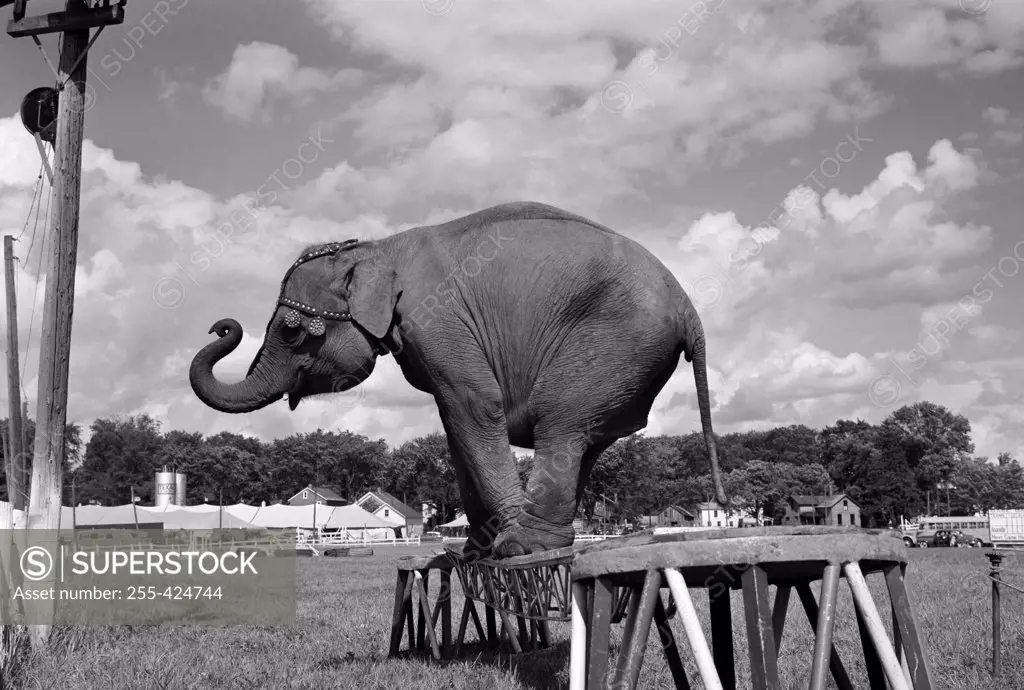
<point>918,459</point>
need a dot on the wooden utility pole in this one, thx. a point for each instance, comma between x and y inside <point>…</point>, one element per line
<point>16,452</point>
<point>58,306</point>
<point>73,24</point>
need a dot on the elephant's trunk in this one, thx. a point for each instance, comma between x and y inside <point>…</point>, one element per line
<point>695,338</point>
<point>257,390</point>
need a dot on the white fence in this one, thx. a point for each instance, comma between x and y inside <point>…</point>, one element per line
<point>593,537</point>
<point>305,536</point>
<point>579,538</point>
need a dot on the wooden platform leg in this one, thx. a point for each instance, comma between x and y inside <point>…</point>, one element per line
<point>634,656</point>
<point>469,608</point>
<point>588,614</point>
<point>779,610</point>
<point>410,615</point>
<point>463,624</point>
<point>810,607</point>
<point>876,676</point>
<point>446,613</point>
<point>622,595</point>
<point>600,632</point>
<point>720,602</point>
<point>764,667</point>
<point>506,621</point>
<point>426,615</point>
<point>668,645</point>
<point>577,651</point>
<point>698,643</point>
<point>492,626</point>
<point>522,632</point>
<point>545,633</point>
<point>632,611</point>
<point>423,585</point>
<point>906,626</point>
<point>824,627</point>
<point>870,621</point>
<point>897,643</point>
<point>398,616</point>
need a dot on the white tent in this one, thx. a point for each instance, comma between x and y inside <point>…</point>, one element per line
<point>109,516</point>
<point>283,516</point>
<point>201,520</point>
<point>201,508</point>
<point>357,521</point>
<point>350,518</point>
<point>242,511</point>
<point>459,521</point>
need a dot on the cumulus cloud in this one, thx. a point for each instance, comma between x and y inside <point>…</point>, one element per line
<point>1008,128</point>
<point>261,74</point>
<point>646,116</point>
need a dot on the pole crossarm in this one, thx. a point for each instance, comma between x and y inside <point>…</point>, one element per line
<point>62,22</point>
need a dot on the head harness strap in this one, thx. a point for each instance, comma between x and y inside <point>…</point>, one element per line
<point>316,326</point>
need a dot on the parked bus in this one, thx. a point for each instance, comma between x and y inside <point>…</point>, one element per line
<point>974,527</point>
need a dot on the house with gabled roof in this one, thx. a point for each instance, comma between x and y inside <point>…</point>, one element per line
<point>837,509</point>
<point>321,495</point>
<point>390,509</point>
<point>674,516</point>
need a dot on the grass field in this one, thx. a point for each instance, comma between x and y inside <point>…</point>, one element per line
<point>343,623</point>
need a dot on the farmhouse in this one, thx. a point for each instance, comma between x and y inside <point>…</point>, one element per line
<point>320,495</point>
<point>390,509</point>
<point>712,514</point>
<point>837,509</point>
<point>674,516</point>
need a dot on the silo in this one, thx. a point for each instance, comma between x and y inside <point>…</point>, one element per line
<point>164,490</point>
<point>179,493</point>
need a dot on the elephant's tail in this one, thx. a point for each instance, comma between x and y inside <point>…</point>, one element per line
<point>700,378</point>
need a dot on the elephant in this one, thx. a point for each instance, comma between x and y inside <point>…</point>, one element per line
<point>527,324</point>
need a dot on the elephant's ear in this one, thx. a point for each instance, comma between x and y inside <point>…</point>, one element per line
<point>370,283</point>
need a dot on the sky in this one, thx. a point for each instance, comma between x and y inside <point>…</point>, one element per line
<point>836,183</point>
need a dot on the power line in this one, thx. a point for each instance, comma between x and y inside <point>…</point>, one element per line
<point>35,293</point>
<point>35,200</point>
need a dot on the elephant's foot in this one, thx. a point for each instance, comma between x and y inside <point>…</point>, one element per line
<point>481,539</point>
<point>477,546</point>
<point>530,535</point>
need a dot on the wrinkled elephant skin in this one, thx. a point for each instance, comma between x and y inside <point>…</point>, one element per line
<point>528,325</point>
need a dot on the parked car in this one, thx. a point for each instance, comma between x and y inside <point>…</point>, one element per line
<point>954,538</point>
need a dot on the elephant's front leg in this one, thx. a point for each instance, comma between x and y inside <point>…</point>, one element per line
<point>484,526</point>
<point>488,480</point>
<point>545,520</point>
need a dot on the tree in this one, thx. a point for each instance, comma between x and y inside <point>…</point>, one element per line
<point>524,467</point>
<point>421,471</point>
<point>353,463</point>
<point>976,487</point>
<point>121,455</point>
<point>218,471</point>
<point>795,445</point>
<point>72,451</point>
<point>869,464</point>
<point>933,440</point>
<point>608,476</point>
